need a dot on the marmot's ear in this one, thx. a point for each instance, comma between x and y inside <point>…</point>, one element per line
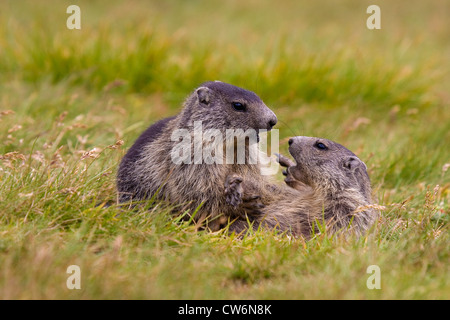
<point>203,94</point>
<point>351,163</point>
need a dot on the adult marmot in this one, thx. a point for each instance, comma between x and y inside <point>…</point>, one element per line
<point>149,169</point>
<point>329,184</point>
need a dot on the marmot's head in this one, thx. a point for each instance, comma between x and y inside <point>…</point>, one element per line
<point>222,106</point>
<point>328,165</point>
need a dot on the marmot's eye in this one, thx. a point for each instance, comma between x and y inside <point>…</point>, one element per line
<point>239,106</point>
<point>321,146</point>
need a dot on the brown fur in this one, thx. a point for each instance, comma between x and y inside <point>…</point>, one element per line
<point>329,186</point>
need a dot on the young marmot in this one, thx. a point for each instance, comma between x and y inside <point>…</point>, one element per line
<point>148,168</point>
<point>329,184</point>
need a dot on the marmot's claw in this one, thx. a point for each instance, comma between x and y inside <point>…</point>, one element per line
<point>253,204</point>
<point>233,200</point>
<point>284,161</point>
<point>233,190</point>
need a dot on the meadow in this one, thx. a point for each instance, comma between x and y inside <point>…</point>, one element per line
<point>73,101</point>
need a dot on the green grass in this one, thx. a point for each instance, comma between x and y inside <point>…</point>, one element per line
<point>68,98</point>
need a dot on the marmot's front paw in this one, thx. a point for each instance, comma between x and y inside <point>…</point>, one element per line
<point>252,205</point>
<point>287,163</point>
<point>233,190</point>
<point>290,180</point>
<point>244,202</point>
<point>284,161</point>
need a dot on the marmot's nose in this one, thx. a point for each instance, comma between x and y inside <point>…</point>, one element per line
<point>272,123</point>
<point>291,141</point>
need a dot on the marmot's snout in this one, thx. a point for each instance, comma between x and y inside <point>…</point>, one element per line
<point>272,123</point>
<point>295,144</point>
<point>271,119</point>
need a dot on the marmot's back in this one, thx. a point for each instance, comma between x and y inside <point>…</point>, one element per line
<point>126,179</point>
